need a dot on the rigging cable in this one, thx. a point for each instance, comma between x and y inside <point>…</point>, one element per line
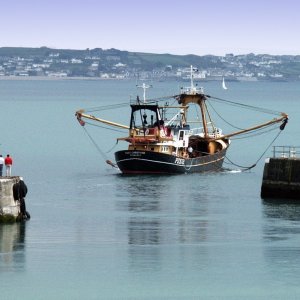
<point>95,144</point>
<point>267,111</point>
<point>125,104</point>
<point>210,119</point>
<point>106,107</point>
<point>247,135</point>
<point>251,167</point>
<point>223,118</point>
<point>99,150</point>
<point>246,106</point>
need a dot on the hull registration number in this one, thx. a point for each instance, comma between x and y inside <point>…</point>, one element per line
<point>179,161</point>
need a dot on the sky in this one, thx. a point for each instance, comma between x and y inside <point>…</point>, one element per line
<point>155,26</point>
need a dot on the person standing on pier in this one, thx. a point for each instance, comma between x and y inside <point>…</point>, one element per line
<point>1,164</point>
<point>8,163</point>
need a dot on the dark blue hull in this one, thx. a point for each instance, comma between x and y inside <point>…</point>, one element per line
<point>147,162</point>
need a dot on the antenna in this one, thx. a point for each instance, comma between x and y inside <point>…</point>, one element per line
<point>144,87</point>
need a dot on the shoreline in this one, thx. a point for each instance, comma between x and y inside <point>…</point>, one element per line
<point>50,78</point>
<point>55,78</point>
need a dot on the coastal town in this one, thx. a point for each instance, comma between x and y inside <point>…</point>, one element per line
<point>116,64</point>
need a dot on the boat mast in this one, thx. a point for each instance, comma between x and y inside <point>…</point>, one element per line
<point>144,87</point>
<point>201,99</point>
<point>203,113</point>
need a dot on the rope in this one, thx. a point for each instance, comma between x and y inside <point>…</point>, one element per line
<point>268,146</point>
<point>155,100</point>
<point>254,165</point>
<point>112,147</point>
<point>233,126</point>
<point>109,162</point>
<point>106,107</point>
<point>243,167</point>
<point>256,133</point>
<point>95,144</point>
<point>125,104</point>
<point>256,108</point>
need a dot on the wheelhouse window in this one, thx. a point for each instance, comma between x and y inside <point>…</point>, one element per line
<point>144,116</point>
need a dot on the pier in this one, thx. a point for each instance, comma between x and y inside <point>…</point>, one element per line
<point>281,177</point>
<point>12,194</point>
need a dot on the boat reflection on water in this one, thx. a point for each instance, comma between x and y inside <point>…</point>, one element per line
<point>12,245</point>
<point>159,218</point>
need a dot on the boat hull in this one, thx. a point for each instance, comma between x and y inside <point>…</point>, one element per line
<point>147,162</point>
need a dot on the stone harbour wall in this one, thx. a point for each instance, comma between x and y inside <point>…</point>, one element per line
<point>9,208</point>
<point>281,179</point>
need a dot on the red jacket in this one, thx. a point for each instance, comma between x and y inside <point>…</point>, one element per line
<point>8,161</point>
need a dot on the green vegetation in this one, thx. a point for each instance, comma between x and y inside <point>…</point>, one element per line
<point>7,219</point>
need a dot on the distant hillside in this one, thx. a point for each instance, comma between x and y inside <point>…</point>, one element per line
<point>145,60</point>
<point>33,52</point>
<point>114,63</point>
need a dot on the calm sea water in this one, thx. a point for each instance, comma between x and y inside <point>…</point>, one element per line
<point>95,234</point>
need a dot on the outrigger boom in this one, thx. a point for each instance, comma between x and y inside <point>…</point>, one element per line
<point>80,114</point>
<point>283,119</point>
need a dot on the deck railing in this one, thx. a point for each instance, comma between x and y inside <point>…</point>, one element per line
<point>286,151</point>
<point>213,132</point>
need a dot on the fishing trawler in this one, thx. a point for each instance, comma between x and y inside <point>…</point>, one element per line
<point>159,144</point>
